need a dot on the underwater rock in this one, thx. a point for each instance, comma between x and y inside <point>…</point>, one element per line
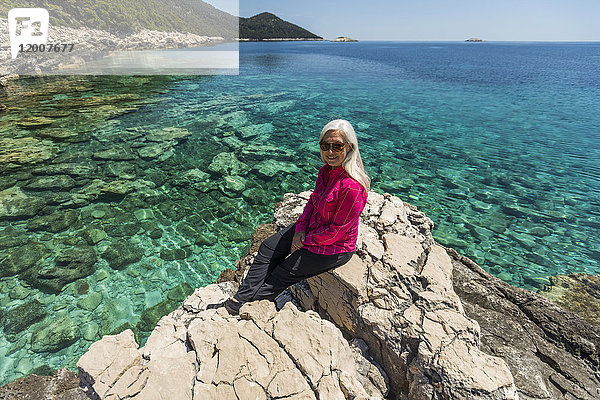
<point>55,222</point>
<point>34,122</point>
<point>270,168</point>
<point>121,253</point>
<point>20,259</point>
<point>118,169</point>
<point>71,264</point>
<point>56,182</point>
<point>72,169</point>
<point>228,164</point>
<point>195,178</point>
<point>64,385</point>
<point>64,135</point>
<point>114,154</point>
<point>232,184</point>
<point>14,204</point>
<point>256,130</point>
<point>144,214</point>
<point>15,153</point>
<point>93,235</point>
<point>180,292</point>
<point>174,254</point>
<point>578,293</point>
<point>58,334</point>
<point>168,134</point>
<point>262,151</point>
<point>161,151</point>
<point>19,318</point>
<point>123,229</point>
<point>90,302</point>
<point>152,315</point>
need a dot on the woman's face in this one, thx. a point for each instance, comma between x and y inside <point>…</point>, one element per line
<point>331,157</point>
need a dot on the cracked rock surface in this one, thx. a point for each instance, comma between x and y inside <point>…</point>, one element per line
<point>194,353</point>
<point>439,325</point>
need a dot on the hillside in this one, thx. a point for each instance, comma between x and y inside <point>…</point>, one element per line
<point>122,17</point>
<point>269,26</point>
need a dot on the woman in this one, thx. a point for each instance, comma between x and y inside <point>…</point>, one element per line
<point>324,237</point>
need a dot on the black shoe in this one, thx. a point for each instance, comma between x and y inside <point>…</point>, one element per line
<point>233,307</point>
<point>216,305</point>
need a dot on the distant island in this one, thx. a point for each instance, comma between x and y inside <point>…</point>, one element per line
<point>474,40</point>
<point>267,26</point>
<point>344,39</point>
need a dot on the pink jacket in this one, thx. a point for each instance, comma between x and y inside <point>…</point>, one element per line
<point>331,216</point>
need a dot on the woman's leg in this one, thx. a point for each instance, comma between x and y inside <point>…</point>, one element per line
<point>300,265</point>
<point>271,252</point>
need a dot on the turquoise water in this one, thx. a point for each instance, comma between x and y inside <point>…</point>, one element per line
<point>498,143</point>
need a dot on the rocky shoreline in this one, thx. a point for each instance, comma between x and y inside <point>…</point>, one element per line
<point>90,44</point>
<point>405,319</point>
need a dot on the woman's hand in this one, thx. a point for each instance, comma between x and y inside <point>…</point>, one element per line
<point>297,241</point>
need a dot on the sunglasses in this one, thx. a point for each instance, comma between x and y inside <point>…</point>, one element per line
<point>337,147</point>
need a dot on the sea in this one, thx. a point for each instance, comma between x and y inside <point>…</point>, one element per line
<point>497,142</point>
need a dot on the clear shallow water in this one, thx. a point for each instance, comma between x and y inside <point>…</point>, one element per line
<point>498,143</point>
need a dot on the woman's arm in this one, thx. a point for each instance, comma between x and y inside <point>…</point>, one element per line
<point>304,219</point>
<point>351,202</point>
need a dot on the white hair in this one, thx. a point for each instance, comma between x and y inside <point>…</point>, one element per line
<point>352,163</point>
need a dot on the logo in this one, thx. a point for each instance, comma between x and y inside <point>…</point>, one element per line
<point>27,27</point>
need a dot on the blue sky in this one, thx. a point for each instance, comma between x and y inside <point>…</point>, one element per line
<point>526,20</point>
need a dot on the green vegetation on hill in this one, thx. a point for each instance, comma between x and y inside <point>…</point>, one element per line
<point>125,17</point>
<point>269,26</point>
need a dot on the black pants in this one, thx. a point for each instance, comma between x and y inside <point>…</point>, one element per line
<point>271,272</point>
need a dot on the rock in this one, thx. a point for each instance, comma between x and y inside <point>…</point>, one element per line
<point>19,318</point>
<point>228,164</point>
<point>203,354</point>
<point>233,183</point>
<point>34,122</point>
<point>344,39</point>
<point>70,264</point>
<point>21,259</point>
<point>168,134</point>
<point>14,204</point>
<point>549,351</point>
<point>122,170</point>
<point>93,236</point>
<point>90,302</point>
<point>121,253</point>
<point>114,154</point>
<point>55,222</point>
<point>257,130</point>
<point>174,254</point>
<point>90,331</point>
<point>123,230</point>
<point>106,361</point>
<point>54,182</point>
<point>58,334</point>
<point>72,169</point>
<point>403,305</point>
<point>160,151</point>
<point>14,153</point>
<point>180,292</point>
<point>98,214</point>
<point>578,293</point>
<point>270,168</point>
<point>64,385</point>
<point>144,214</point>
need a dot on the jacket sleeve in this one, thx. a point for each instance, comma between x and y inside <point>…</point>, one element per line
<point>351,202</point>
